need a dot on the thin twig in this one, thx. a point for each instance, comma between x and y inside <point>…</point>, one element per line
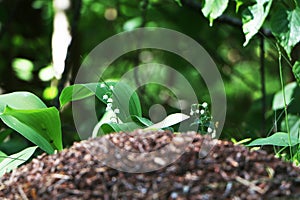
<point>196,6</point>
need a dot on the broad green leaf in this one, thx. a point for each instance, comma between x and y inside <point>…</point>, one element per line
<point>294,124</point>
<point>41,126</point>
<point>106,119</point>
<point>114,127</point>
<point>2,156</point>
<point>141,120</point>
<point>285,25</point>
<point>296,71</point>
<point>27,114</point>
<point>277,139</point>
<point>13,161</point>
<point>20,100</point>
<point>77,92</point>
<point>124,98</point>
<point>278,101</point>
<point>254,17</point>
<point>170,120</point>
<point>213,9</point>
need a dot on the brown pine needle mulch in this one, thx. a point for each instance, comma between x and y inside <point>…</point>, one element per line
<point>228,172</point>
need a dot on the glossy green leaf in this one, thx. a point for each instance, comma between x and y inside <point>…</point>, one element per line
<point>2,156</point>
<point>115,127</point>
<point>20,100</point>
<point>213,9</point>
<point>141,120</point>
<point>41,126</point>
<point>285,25</point>
<point>170,120</point>
<point>254,17</point>
<point>278,101</point>
<point>124,98</point>
<point>296,71</point>
<point>277,139</point>
<point>13,161</point>
<point>77,92</point>
<point>27,114</point>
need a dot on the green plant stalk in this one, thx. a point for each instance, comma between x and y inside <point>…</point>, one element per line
<point>284,100</point>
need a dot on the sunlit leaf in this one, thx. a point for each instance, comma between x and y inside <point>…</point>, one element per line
<point>77,92</point>
<point>285,25</point>
<point>50,93</point>
<point>141,120</point>
<point>277,139</point>
<point>212,9</point>
<point>44,122</point>
<point>47,73</point>
<point>27,114</point>
<point>13,161</point>
<point>20,100</point>
<point>170,121</point>
<point>23,68</point>
<point>2,156</point>
<point>115,127</point>
<point>278,101</point>
<point>132,24</point>
<point>254,17</point>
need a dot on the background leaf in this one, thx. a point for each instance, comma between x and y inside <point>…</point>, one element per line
<point>278,102</point>
<point>285,25</point>
<point>277,139</point>
<point>254,17</point>
<point>170,121</point>
<point>212,9</point>
<point>13,161</point>
<point>141,120</point>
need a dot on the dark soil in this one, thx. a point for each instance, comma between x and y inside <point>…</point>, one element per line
<point>228,172</point>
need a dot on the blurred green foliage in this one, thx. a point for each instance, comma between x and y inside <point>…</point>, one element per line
<point>25,56</point>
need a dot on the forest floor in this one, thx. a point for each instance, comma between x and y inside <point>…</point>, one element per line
<point>228,172</point>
